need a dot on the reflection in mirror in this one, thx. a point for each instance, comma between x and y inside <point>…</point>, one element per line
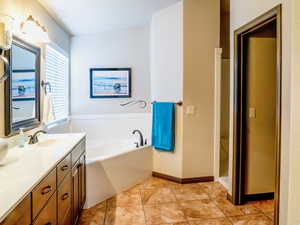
<point>23,84</point>
<point>22,89</point>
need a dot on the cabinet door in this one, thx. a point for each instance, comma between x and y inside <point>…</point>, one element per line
<point>82,177</point>
<point>64,200</point>
<point>20,215</point>
<point>75,194</point>
<point>48,216</point>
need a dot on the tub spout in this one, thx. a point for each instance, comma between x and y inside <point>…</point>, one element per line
<point>141,137</point>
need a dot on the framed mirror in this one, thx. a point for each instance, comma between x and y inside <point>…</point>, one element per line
<point>22,88</point>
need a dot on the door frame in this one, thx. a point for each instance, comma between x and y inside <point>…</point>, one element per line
<point>239,85</point>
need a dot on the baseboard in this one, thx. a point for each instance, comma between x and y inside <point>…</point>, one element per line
<point>183,180</point>
<point>229,198</point>
<point>258,197</point>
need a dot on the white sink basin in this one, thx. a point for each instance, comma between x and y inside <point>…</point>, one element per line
<point>46,143</point>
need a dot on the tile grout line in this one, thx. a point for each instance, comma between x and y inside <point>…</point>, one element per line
<point>106,211</point>
<point>178,204</point>
<point>140,193</point>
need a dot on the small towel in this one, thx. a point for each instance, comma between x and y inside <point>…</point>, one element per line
<point>48,110</point>
<point>163,126</point>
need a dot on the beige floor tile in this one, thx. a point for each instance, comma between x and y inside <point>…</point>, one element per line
<point>265,205</point>
<point>183,223</point>
<point>169,213</point>
<point>249,209</point>
<point>251,220</point>
<point>157,196</point>
<point>127,198</point>
<point>221,221</point>
<point>200,209</point>
<point>215,190</point>
<point>125,216</point>
<point>228,208</point>
<point>271,215</point>
<point>94,215</point>
<point>153,183</point>
<point>190,192</point>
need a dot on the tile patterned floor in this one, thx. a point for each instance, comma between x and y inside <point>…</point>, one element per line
<point>161,202</point>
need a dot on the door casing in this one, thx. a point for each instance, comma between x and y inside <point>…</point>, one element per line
<point>239,86</point>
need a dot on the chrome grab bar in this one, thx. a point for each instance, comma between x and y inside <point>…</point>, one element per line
<point>143,104</point>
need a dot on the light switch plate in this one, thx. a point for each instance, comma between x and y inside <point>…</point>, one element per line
<point>190,110</point>
<point>252,113</point>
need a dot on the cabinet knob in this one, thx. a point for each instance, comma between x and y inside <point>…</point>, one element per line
<point>65,196</point>
<point>46,190</point>
<point>48,223</point>
<point>64,168</point>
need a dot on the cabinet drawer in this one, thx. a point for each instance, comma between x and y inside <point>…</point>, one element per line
<point>48,216</point>
<point>21,214</point>
<point>77,151</point>
<point>64,198</point>
<point>63,168</point>
<point>42,192</point>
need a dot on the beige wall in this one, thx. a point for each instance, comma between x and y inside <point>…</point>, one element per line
<point>20,10</point>
<point>201,37</point>
<point>242,12</point>
<point>193,155</point>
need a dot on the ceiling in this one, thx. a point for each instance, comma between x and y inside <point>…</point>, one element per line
<point>81,17</point>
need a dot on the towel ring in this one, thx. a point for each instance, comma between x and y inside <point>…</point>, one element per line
<point>45,85</point>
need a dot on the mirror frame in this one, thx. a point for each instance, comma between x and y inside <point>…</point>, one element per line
<point>13,128</point>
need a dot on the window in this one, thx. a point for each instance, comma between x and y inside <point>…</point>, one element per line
<point>57,73</point>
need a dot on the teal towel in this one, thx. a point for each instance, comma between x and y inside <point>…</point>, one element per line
<point>163,125</point>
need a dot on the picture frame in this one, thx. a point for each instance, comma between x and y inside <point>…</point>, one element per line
<point>23,85</point>
<point>110,82</point>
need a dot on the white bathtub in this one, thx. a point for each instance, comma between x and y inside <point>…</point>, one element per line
<point>114,167</point>
<point>114,164</point>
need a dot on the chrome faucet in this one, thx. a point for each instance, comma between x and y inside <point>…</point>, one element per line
<point>141,138</point>
<point>34,138</point>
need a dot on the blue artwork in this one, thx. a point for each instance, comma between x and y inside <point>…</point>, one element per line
<point>110,83</point>
<point>23,85</point>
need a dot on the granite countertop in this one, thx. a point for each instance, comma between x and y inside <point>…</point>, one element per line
<point>24,168</point>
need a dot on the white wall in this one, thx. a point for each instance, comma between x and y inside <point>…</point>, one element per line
<point>243,12</point>
<point>110,49</point>
<point>166,54</point>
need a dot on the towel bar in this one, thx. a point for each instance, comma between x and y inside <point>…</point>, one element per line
<point>177,103</point>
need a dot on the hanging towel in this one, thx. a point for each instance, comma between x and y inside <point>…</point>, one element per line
<point>163,126</point>
<point>48,110</point>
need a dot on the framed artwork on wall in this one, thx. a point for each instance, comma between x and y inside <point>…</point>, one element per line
<point>110,83</point>
<point>23,85</point>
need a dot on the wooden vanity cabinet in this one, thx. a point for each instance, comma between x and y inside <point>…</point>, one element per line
<point>21,215</point>
<point>59,198</point>
<point>48,215</point>
<point>79,183</point>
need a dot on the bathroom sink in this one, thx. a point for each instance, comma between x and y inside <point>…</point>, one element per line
<point>46,143</point>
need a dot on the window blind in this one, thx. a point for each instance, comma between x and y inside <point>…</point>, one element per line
<point>57,73</point>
